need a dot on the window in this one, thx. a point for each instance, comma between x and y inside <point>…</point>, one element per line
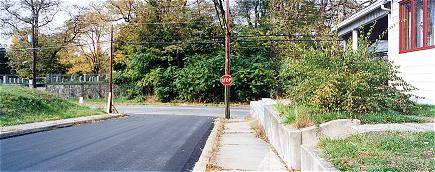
<point>417,19</point>
<point>430,38</point>
<point>418,23</point>
<point>406,26</point>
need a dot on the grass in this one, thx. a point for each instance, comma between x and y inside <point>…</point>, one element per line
<point>304,116</point>
<point>258,129</point>
<point>19,105</point>
<point>389,151</point>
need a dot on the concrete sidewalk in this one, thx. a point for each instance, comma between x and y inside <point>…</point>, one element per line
<point>411,127</point>
<point>239,149</point>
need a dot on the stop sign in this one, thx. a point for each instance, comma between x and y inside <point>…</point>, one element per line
<point>226,80</point>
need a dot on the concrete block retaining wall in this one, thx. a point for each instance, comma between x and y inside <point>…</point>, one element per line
<point>296,146</point>
<point>311,161</point>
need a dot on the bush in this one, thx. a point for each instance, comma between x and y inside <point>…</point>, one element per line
<point>253,77</point>
<point>142,73</point>
<point>199,79</point>
<point>164,87</point>
<point>351,81</point>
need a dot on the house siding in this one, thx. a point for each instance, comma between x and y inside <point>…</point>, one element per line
<point>416,68</point>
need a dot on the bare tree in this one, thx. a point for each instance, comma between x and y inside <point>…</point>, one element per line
<point>15,15</point>
<point>122,10</point>
<point>334,11</point>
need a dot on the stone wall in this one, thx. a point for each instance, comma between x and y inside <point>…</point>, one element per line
<point>90,91</point>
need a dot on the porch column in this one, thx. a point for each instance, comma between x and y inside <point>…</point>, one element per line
<point>344,44</point>
<point>355,40</point>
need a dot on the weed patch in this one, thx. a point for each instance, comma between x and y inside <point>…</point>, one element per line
<point>389,151</point>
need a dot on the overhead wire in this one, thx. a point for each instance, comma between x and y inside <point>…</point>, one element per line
<point>235,38</point>
<point>183,42</point>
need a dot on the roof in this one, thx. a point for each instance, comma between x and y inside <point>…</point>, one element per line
<point>362,18</point>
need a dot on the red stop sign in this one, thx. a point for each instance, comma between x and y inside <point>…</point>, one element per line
<point>226,80</point>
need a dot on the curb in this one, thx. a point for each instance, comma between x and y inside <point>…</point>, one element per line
<point>16,131</point>
<point>206,154</point>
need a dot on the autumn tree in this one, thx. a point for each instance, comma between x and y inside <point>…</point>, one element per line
<point>88,50</point>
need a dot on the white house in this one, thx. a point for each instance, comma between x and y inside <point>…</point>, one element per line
<point>410,38</point>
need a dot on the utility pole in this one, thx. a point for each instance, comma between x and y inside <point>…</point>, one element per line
<point>110,103</point>
<point>227,59</point>
<point>33,45</point>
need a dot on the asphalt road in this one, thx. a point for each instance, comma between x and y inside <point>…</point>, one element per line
<point>152,138</point>
<point>237,111</point>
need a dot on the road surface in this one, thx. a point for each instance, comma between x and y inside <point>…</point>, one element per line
<point>152,138</point>
<point>238,111</point>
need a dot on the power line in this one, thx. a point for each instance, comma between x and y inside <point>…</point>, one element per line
<point>180,42</point>
<point>149,23</point>
<point>183,42</point>
<point>289,40</point>
<point>218,40</point>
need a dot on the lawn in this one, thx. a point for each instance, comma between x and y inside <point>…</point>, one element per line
<point>19,105</point>
<point>303,116</point>
<point>389,151</point>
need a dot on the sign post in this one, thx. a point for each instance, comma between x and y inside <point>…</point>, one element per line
<point>227,59</point>
<point>110,97</point>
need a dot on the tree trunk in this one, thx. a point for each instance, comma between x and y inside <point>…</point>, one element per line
<point>257,15</point>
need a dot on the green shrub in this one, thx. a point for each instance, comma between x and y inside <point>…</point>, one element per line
<point>141,74</point>
<point>253,77</point>
<point>351,81</point>
<point>199,79</point>
<point>164,87</point>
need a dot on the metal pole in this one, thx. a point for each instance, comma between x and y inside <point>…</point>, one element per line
<point>110,70</point>
<point>33,47</point>
<point>227,60</point>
